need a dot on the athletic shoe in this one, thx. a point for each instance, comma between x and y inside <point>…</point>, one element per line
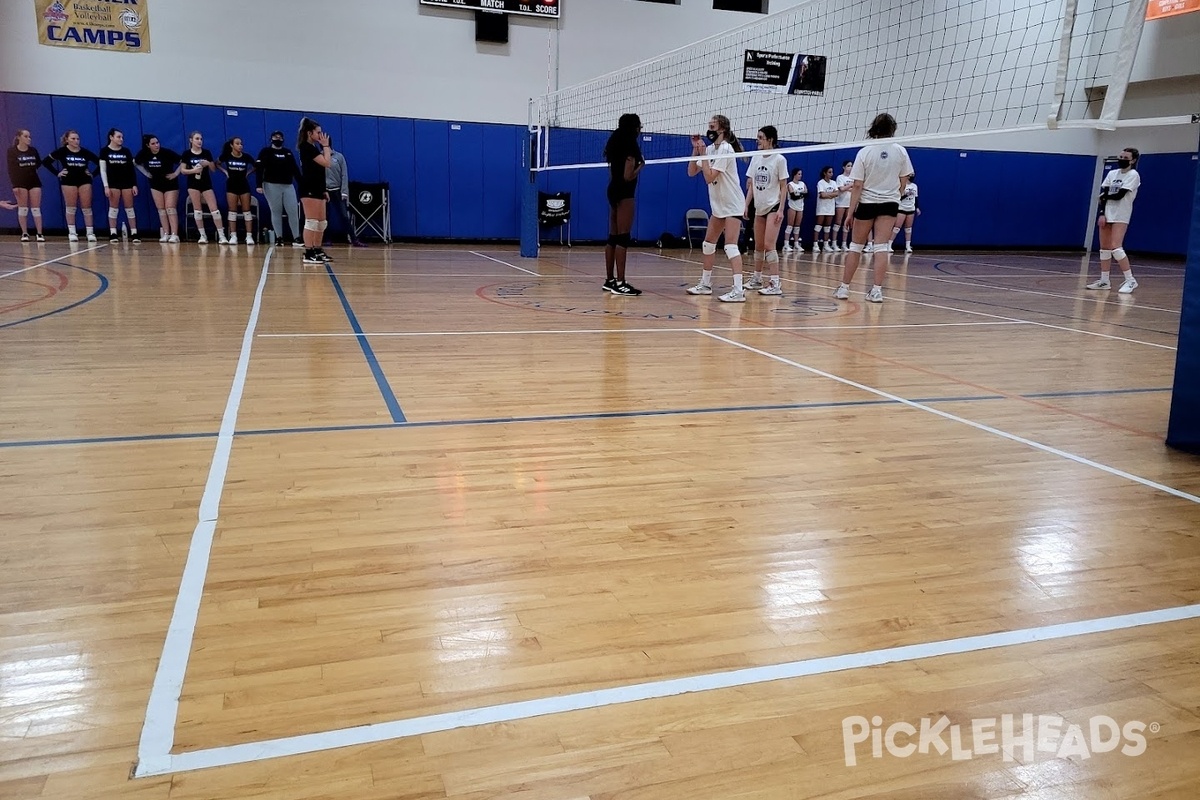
<point>113,238</point>
<point>609,284</point>
<point>173,238</point>
<point>1100,284</point>
<point>841,293</point>
<point>908,248</point>
<point>325,257</point>
<point>626,290</point>
<point>231,239</point>
<point>733,296</point>
<point>135,239</point>
<point>41,238</point>
<point>787,248</point>
<point>91,237</point>
<point>203,239</point>
<point>24,237</point>
<point>875,296</point>
<point>250,240</point>
<point>753,283</point>
<point>699,288</point>
<point>163,237</point>
<point>771,289</point>
<point>1128,286</point>
<point>313,257</point>
<point>298,244</point>
<point>799,247</point>
<point>221,238</point>
<point>837,247</point>
<point>72,237</point>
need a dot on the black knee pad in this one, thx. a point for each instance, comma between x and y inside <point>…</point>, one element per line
<point>621,240</point>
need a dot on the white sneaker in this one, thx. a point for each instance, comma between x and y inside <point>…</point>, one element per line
<point>221,238</point>
<point>699,288</point>
<point>163,237</point>
<point>875,296</point>
<point>799,247</point>
<point>753,283</point>
<point>203,239</point>
<point>733,296</point>
<point>1128,286</point>
<point>908,248</point>
<point>249,240</point>
<point>173,238</point>
<point>232,239</point>
<point>24,237</point>
<point>837,247</point>
<point>72,237</point>
<point>771,289</point>
<point>1100,284</point>
<point>91,237</point>
<point>787,248</point>
<point>841,293</point>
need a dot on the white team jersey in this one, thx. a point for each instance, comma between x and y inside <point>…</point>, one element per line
<point>1121,210</point>
<point>797,188</point>
<point>725,193</point>
<point>843,199</point>
<point>880,167</point>
<point>908,200</point>
<point>825,205</point>
<point>765,173</point>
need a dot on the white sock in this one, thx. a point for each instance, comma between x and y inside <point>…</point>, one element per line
<point>737,281</point>
<point>908,236</point>
<point>758,275</point>
<point>1128,273</point>
<point>706,277</point>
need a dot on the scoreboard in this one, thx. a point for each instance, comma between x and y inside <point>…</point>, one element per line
<point>531,8</point>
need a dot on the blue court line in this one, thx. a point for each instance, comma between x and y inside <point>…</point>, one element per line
<point>103,288</point>
<point>389,397</point>
<point>375,426</point>
<point>1071,317</point>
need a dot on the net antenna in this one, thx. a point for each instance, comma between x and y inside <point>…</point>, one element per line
<point>940,67</point>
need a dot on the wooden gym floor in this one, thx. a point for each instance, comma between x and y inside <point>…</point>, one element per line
<point>446,523</point>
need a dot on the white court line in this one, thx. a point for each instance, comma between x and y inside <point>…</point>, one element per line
<point>968,311</point>
<point>1045,448</point>
<point>53,260</point>
<point>1080,261</point>
<point>1091,297</point>
<point>644,330</point>
<point>601,698</point>
<point>505,263</point>
<point>158,730</point>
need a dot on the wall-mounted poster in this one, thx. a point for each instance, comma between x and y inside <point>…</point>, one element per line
<point>119,26</point>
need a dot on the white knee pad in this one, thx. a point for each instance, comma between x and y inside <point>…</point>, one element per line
<point>772,256</point>
<point>172,212</point>
<point>836,229</point>
<point>112,213</point>
<point>70,212</point>
<point>312,225</point>
<point>817,231</point>
<point>1118,253</point>
<point>21,212</point>
<point>708,248</point>
<point>233,216</point>
<point>198,216</point>
<point>896,231</point>
<point>855,247</point>
<point>35,212</point>
<point>324,224</point>
<point>732,251</point>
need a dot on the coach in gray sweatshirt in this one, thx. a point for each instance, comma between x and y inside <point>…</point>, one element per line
<point>337,183</point>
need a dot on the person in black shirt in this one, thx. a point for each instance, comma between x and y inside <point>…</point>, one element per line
<point>276,168</point>
<point>313,145</point>
<point>161,166</point>
<point>237,167</point>
<point>23,163</point>
<point>198,165</point>
<point>120,183</point>
<point>625,162</point>
<point>73,163</point>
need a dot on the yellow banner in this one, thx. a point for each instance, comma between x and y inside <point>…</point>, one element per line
<point>1157,9</point>
<point>119,26</point>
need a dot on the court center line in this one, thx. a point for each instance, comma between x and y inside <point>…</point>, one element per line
<point>1100,299</point>
<point>162,710</point>
<point>54,260</point>
<point>602,698</point>
<point>505,263</point>
<point>385,388</point>
<point>1045,448</point>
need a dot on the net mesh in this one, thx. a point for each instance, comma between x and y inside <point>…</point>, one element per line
<point>938,66</point>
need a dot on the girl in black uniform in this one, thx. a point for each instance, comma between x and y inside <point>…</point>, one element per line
<point>197,164</point>
<point>625,162</point>
<point>237,167</point>
<point>120,183</point>
<point>23,163</point>
<point>73,164</point>
<point>161,166</point>
<point>313,145</point>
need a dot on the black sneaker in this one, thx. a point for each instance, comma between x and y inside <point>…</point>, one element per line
<point>625,289</point>
<point>610,284</point>
<point>113,238</point>
<point>321,254</point>
<point>134,238</point>
<point>312,257</point>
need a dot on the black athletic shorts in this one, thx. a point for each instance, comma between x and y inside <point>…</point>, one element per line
<point>869,211</point>
<point>618,192</point>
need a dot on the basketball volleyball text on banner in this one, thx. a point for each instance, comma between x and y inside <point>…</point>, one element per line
<point>1157,9</point>
<point>119,26</point>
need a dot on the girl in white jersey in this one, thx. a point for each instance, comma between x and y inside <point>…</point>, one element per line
<point>1117,192</point>
<point>727,202</point>
<point>841,208</point>
<point>880,173</point>
<point>766,184</point>
<point>910,209</point>
<point>827,193</point>
<point>797,191</point>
